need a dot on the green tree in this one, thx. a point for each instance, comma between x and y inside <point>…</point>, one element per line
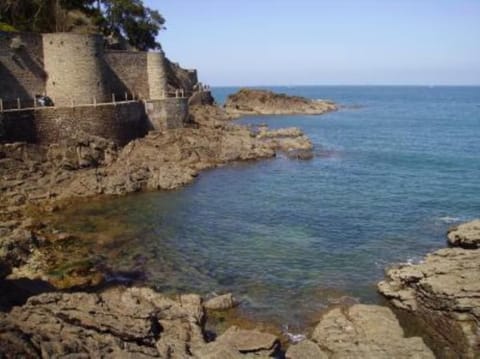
<point>127,19</point>
<point>133,21</point>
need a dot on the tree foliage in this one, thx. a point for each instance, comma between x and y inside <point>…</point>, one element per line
<point>127,19</point>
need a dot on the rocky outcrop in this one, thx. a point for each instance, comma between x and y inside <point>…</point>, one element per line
<point>121,323</point>
<point>466,235</point>
<point>263,102</point>
<point>444,292</point>
<point>85,166</point>
<point>359,331</point>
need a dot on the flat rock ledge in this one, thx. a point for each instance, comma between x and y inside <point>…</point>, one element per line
<point>263,102</point>
<point>121,323</point>
<point>359,331</point>
<point>444,292</point>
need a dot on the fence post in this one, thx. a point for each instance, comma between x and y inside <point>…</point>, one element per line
<point>1,105</point>
<point>126,96</point>
<point>19,105</point>
<point>113,97</point>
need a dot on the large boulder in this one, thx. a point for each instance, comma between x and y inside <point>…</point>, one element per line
<point>466,235</point>
<point>360,331</point>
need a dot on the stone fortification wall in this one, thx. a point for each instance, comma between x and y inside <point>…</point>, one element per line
<point>21,68</point>
<point>128,73</point>
<point>76,68</point>
<point>168,113</point>
<point>120,123</point>
<point>157,77</point>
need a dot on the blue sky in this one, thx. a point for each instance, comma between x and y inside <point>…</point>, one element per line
<point>315,42</point>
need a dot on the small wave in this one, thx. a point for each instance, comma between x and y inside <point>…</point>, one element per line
<point>293,338</point>
<point>414,260</point>
<point>448,219</point>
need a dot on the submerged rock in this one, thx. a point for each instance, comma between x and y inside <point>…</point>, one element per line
<point>360,331</point>
<point>263,102</point>
<point>221,302</point>
<point>444,292</point>
<point>466,235</point>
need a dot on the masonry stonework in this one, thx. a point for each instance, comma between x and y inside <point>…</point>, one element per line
<point>168,113</point>
<point>157,78</point>
<point>119,95</point>
<point>76,68</point>
<point>120,123</point>
<point>22,72</point>
<point>128,73</point>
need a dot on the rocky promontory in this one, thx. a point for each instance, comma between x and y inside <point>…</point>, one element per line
<point>36,178</point>
<point>263,102</point>
<point>443,291</point>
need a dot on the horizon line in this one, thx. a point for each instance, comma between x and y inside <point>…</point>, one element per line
<point>355,85</point>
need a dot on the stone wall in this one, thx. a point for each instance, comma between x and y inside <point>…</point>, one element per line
<point>128,73</point>
<point>76,68</point>
<point>120,123</point>
<point>168,113</point>
<point>157,77</point>
<point>22,73</point>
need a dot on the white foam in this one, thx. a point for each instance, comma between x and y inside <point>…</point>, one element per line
<point>448,219</point>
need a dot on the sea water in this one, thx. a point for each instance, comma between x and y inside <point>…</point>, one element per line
<point>394,168</point>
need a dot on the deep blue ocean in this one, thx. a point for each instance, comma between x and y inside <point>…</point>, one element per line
<point>393,170</point>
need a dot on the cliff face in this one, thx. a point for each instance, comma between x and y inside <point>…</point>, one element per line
<point>261,102</point>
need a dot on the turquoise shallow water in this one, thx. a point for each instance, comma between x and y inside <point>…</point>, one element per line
<point>392,172</point>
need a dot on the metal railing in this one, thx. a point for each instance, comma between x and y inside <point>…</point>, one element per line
<point>19,104</point>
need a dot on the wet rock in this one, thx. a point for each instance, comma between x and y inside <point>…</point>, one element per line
<point>444,292</point>
<point>221,302</point>
<point>360,331</point>
<point>262,102</point>
<point>466,235</point>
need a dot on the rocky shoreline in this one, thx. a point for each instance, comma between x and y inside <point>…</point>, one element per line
<point>443,291</point>
<point>250,102</point>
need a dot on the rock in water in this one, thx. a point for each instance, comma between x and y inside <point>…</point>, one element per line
<point>444,292</point>
<point>360,331</point>
<point>221,302</point>
<point>262,102</point>
<point>466,235</point>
